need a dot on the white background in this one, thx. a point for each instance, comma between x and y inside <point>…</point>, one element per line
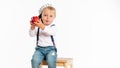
<point>88,31</point>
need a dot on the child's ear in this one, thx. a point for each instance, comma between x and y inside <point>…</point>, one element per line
<point>40,16</point>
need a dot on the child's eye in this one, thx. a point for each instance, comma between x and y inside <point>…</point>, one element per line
<point>45,15</point>
<point>51,16</point>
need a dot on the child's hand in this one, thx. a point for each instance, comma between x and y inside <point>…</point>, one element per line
<point>39,24</point>
<point>32,25</point>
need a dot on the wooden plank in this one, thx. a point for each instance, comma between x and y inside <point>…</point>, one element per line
<point>61,62</point>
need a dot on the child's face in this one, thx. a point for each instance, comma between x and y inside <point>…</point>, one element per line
<point>48,16</point>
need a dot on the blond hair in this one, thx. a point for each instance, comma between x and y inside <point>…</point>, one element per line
<point>47,7</point>
<point>50,8</point>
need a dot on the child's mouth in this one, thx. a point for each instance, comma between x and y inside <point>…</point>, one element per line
<point>47,21</point>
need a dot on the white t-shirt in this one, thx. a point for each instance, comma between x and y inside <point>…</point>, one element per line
<point>44,35</point>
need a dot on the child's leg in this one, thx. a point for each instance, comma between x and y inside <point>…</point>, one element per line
<point>37,59</point>
<point>51,58</point>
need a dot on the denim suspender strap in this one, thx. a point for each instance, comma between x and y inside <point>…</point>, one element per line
<point>37,36</point>
<point>52,39</point>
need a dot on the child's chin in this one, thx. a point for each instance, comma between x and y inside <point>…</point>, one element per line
<point>47,24</point>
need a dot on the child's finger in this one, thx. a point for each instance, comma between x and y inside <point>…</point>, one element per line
<point>31,22</point>
<point>39,21</point>
<point>35,23</point>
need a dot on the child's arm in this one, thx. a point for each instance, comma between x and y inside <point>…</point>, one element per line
<point>32,31</point>
<point>40,24</point>
<point>49,30</point>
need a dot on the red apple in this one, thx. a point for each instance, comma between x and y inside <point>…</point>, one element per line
<point>35,19</point>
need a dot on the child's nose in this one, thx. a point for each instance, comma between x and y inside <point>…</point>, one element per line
<point>48,17</point>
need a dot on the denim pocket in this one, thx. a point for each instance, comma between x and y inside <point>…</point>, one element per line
<point>55,49</point>
<point>37,47</point>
